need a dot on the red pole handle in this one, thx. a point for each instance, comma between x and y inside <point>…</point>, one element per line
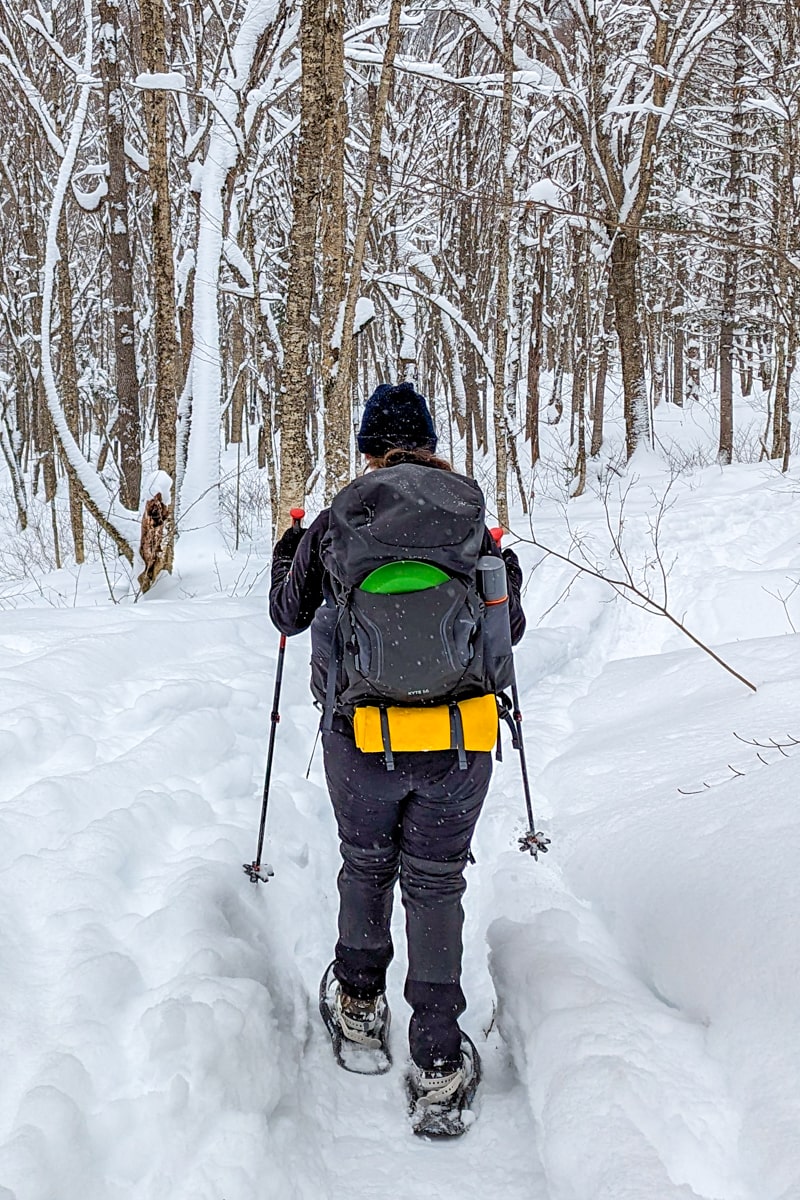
<point>497,533</point>
<point>297,515</point>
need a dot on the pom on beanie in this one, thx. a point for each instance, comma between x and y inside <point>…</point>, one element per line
<point>396,417</point>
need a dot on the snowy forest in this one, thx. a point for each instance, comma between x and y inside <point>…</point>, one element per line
<point>222,223</point>
<point>574,226</point>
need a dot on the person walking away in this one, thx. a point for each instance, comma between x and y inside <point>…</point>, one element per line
<point>404,705</point>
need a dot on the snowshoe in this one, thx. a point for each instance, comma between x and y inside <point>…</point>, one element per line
<point>359,1029</point>
<point>439,1100</point>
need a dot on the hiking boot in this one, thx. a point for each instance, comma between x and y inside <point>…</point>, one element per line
<point>359,1029</point>
<point>440,1099</point>
<point>361,1021</point>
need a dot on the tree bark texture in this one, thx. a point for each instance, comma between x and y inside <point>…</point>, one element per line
<point>599,397</point>
<point>623,285</point>
<point>294,456</point>
<point>121,263</point>
<point>730,285</point>
<point>337,410</point>
<point>155,103</point>
<point>341,387</point>
<point>503,260</point>
<point>69,380</point>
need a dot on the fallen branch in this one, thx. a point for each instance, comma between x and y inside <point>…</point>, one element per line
<point>647,602</point>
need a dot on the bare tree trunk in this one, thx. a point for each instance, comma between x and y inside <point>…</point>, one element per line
<point>580,366</point>
<point>239,369</point>
<point>469,270</point>
<point>780,424</point>
<point>784,282</point>
<point>726,338</point>
<point>503,258</point>
<point>155,109</point>
<point>679,339</point>
<point>730,285</point>
<point>337,411</point>
<point>15,472</point>
<point>127,383</point>
<point>535,350</point>
<point>746,366</point>
<point>69,380</point>
<point>41,426</point>
<point>599,399</point>
<point>342,382</point>
<point>624,290</point>
<point>295,464</point>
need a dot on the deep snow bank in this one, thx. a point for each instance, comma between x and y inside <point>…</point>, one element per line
<point>159,1036</point>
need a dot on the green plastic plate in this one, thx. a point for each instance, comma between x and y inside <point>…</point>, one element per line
<point>404,576</point>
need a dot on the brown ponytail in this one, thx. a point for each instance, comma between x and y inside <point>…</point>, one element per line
<point>424,458</point>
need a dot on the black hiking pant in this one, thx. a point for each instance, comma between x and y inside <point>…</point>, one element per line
<point>415,823</point>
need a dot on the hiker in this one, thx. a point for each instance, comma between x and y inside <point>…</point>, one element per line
<point>407,814</point>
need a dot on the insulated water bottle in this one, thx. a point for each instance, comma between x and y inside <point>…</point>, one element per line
<point>496,621</point>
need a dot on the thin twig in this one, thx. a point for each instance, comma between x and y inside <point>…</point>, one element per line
<point>646,602</point>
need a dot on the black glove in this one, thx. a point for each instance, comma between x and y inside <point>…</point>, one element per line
<point>513,569</point>
<point>286,545</point>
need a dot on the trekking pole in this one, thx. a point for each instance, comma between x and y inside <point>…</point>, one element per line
<point>534,841</point>
<point>257,871</point>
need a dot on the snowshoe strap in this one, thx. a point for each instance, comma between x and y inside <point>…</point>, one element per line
<point>359,1029</point>
<point>438,1088</point>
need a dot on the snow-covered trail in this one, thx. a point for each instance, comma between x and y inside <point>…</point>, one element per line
<point>358,1126</point>
<point>158,1026</point>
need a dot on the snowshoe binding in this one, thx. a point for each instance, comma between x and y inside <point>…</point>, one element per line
<point>359,1029</point>
<point>440,1100</point>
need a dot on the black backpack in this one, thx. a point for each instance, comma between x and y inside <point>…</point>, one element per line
<point>414,648</point>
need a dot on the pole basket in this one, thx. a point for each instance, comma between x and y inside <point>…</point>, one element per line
<point>534,843</point>
<point>258,872</point>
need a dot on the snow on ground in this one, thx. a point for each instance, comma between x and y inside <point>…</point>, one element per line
<point>634,995</point>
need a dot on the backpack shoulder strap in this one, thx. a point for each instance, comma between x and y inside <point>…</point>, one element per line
<point>334,662</point>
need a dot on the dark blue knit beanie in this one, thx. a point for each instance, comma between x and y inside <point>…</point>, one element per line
<point>396,417</point>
